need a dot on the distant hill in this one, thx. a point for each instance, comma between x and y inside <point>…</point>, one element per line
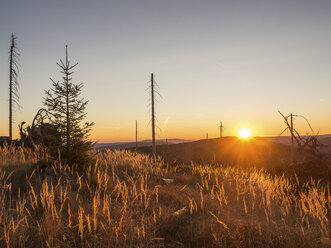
<point>326,140</point>
<point>286,140</point>
<point>143,143</point>
<point>257,151</point>
<point>228,150</point>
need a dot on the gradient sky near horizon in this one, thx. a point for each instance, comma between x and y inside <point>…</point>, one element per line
<point>235,61</point>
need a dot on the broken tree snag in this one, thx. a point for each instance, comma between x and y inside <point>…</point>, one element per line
<point>13,81</point>
<point>41,132</point>
<point>308,143</point>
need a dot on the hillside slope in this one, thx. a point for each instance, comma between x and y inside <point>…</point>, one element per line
<point>129,200</point>
<point>256,151</point>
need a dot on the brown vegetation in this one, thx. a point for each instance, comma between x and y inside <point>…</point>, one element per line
<point>128,201</point>
<point>258,152</point>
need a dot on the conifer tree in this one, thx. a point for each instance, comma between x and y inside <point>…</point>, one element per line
<point>68,110</point>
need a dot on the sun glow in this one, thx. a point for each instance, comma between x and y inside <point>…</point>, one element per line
<point>245,133</point>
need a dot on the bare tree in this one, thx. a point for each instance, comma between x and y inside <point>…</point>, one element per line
<point>308,142</point>
<point>221,129</point>
<point>153,114</point>
<point>136,134</point>
<point>13,81</point>
<point>154,99</point>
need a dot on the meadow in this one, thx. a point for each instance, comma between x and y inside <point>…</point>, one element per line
<point>128,199</point>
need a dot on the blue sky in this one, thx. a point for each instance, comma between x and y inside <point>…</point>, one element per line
<point>236,61</point>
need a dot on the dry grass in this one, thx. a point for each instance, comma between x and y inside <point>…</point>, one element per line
<point>13,155</point>
<point>124,202</point>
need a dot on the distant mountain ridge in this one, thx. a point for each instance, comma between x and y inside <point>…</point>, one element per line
<point>229,150</point>
<point>141,143</point>
<point>286,140</point>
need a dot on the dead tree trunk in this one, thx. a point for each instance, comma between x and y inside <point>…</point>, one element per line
<point>136,134</point>
<point>307,143</point>
<point>292,138</point>
<point>221,130</point>
<point>13,81</point>
<point>153,116</point>
<point>11,88</point>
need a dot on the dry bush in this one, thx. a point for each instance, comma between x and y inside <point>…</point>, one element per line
<point>124,202</point>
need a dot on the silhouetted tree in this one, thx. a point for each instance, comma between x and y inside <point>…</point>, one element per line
<point>67,109</point>
<point>153,99</point>
<point>308,142</point>
<point>13,81</point>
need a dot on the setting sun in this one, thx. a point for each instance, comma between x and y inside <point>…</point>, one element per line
<point>245,133</point>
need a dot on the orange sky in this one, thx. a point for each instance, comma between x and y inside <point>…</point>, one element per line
<point>235,61</point>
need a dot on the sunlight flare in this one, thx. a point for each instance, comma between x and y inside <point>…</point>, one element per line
<point>245,133</point>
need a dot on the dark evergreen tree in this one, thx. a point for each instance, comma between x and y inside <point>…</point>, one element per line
<point>68,111</point>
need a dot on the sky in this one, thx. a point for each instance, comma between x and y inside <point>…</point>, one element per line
<point>235,61</point>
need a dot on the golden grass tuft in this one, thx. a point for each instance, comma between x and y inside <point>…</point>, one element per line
<point>124,202</point>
